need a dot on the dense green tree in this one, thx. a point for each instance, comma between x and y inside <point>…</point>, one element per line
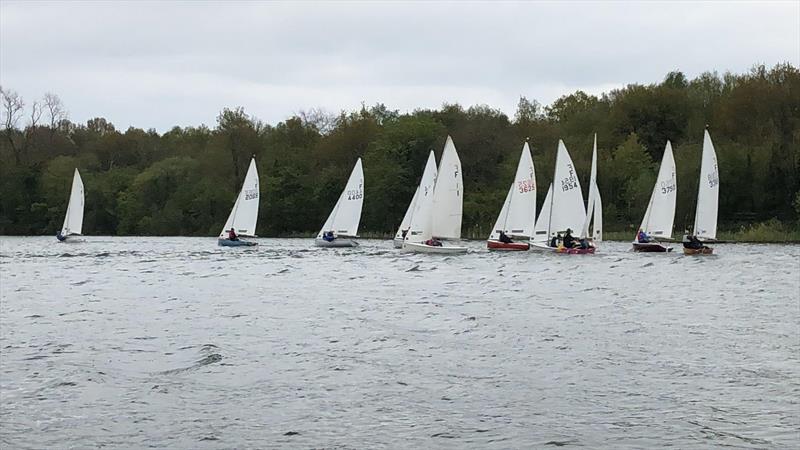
<point>185,180</point>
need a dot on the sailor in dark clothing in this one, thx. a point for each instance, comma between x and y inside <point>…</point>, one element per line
<point>569,240</point>
<point>232,235</point>
<point>504,238</point>
<point>328,236</point>
<point>693,243</point>
<point>60,236</point>
<point>555,240</point>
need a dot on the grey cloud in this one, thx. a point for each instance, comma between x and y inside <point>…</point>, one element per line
<point>159,64</point>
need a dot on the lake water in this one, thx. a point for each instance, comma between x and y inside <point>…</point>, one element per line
<point>176,342</point>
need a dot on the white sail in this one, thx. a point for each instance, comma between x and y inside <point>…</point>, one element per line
<point>660,214</point>
<point>705,218</point>
<point>594,207</point>
<point>542,228</point>
<point>567,208</point>
<point>519,210</point>
<point>244,215</point>
<point>346,215</point>
<point>73,220</point>
<point>448,196</point>
<point>420,226</point>
<point>406,223</point>
<point>597,225</point>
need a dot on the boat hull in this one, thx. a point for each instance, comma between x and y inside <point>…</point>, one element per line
<point>543,247</point>
<point>650,247</point>
<point>398,243</point>
<point>698,251</point>
<point>491,244</point>
<point>336,243</point>
<point>576,251</point>
<point>419,247</point>
<point>239,243</point>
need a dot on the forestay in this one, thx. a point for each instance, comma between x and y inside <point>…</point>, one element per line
<point>346,215</point>
<point>519,209</point>
<point>420,225</point>
<point>567,208</point>
<point>660,214</point>
<point>448,195</point>
<point>73,220</point>
<point>244,215</point>
<point>705,219</point>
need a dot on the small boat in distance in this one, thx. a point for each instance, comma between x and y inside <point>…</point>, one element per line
<point>341,227</point>
<point>705,216</point>
<point>405,225</point>
<point>73,220</point>
<point>438,214</point>
<point>660,214</point>
<point>244,215</point>
<point>594,206</point>
<point>563,209</point>
<point>516,218</point>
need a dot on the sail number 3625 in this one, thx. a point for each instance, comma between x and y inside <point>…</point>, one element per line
<point>526,186</point>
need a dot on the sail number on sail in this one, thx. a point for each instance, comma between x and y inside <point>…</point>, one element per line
<point>713,177</point>
<point>526,186</point>
<point>571,181</point>
<point>250,194</point>
<point>668,186</point>
<point>355,194</point>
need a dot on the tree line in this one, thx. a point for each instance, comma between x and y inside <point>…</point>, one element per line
<point>184,181</point>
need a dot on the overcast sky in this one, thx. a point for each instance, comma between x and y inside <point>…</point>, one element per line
<point>164,64</point>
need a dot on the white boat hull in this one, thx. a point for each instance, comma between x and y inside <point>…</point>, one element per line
<point>543,247</point>
<point>336,243</point>
<point>423,248</point>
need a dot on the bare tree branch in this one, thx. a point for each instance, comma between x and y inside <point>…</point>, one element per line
<point>12,106</point>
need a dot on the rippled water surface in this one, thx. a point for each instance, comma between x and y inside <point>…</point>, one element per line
<point>175,342</point>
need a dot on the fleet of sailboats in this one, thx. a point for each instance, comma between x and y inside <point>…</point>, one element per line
<point>432,222</point>
<point>244,215</point>
<point>73,219</point>
<point>341,227</point>
<point>436,222</point>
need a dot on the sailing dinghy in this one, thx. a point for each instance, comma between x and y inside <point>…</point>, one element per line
<point>517,217</point>
<point>244,215</point>
<point>405,225</point>
<point>594,207</point>
<point>563,208</point>
<point>342,224</point>
<point>705,216</point>
<point>660,214</point>
<point>73,220</point>
<point>438,214</point>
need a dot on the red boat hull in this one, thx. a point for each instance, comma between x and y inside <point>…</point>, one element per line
<point>514,246</point>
